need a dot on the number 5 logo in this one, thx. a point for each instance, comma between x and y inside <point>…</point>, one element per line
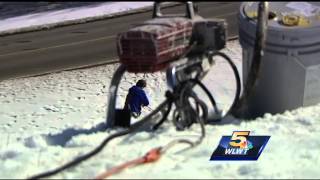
<point>238,137</point>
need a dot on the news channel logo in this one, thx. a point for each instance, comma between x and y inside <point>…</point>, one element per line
<point>240,146</point>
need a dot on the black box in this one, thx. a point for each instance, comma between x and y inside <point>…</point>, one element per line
<point>122,118</point>
<point>209,35</point>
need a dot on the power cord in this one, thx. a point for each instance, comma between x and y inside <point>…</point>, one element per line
<point>238,83</point>
<point>98,149</point>
<point>136,126</point>
<point>240,109</point>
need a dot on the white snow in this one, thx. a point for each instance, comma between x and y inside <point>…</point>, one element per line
<point>68,16</point>
<point>49,120</point>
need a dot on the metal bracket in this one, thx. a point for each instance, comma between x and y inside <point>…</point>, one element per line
<point>190,10</point>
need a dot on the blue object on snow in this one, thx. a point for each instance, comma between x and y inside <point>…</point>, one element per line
<point>137,98</point>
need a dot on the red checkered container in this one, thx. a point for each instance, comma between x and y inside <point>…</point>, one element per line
<point>152,45</point>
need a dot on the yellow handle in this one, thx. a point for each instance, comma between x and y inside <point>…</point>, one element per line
<point>295,20</point>
<point>252,14</point>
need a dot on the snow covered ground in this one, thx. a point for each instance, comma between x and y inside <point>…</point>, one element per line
<point>51,17</point>
<point>48,120</point>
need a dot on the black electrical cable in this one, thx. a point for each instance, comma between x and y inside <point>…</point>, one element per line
<point>164,118</point>
<point>84,157</point>
<point>199,120</point>
<point>212,100</point>
<point>205,89</point>
<point>185,111</point>
<point>238,81</point>
<point>238,87</point>
<point>240,108</point>
<point>135,127</point>
<point>200,105</point>
<point>185,115</point>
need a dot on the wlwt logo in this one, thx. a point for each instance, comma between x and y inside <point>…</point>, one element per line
<point>240,146</point>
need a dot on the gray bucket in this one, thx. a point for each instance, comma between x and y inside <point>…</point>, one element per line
<point>290,67</point>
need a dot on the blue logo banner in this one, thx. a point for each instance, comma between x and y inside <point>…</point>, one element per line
<point>240,146</point>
